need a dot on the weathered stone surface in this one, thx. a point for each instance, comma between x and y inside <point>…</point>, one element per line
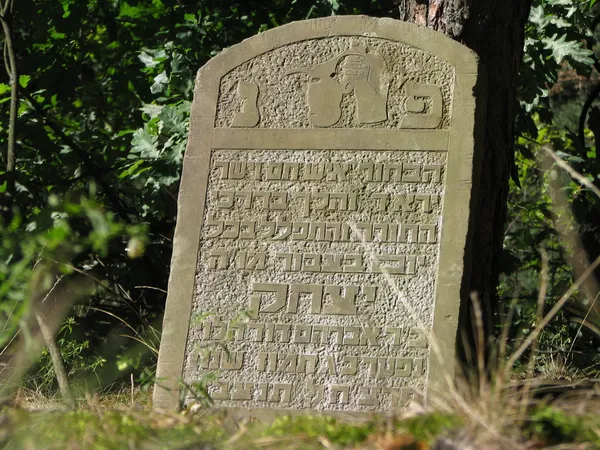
<point>323,211</point>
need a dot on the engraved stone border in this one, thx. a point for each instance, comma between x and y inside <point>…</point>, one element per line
<point>460,140</point>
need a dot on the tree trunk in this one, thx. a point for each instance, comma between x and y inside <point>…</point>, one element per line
<point>494,29</point>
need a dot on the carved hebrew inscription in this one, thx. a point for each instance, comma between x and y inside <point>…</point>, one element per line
<point>310,269</point>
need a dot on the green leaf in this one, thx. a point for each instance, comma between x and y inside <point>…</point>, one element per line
<point>145,144</point>
<point>561,49</point>
<point>24,80</point>
<point>161,82</point>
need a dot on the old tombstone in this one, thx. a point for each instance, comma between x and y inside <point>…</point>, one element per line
<point>323,212</point>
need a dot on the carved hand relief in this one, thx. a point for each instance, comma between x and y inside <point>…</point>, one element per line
<point>350,83</point>
<point>353,71</point>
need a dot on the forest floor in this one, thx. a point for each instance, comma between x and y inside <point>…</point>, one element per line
<point>126,421</point>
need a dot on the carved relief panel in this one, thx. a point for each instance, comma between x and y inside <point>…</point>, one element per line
<point>358,82</point>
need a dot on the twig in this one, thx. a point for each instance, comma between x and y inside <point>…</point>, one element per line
<point>563,165</point>
<point>13,73</point>
<point>57,362</point>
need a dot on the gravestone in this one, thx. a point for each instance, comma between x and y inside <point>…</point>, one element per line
<point>323,212</point>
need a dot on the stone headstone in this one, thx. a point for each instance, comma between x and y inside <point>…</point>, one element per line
<point>323,212</point>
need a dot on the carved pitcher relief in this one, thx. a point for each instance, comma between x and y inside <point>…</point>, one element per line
<point>353,71</point>
<point>249,115</point>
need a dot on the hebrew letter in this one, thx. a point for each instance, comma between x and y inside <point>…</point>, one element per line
<point>403,202</point>
<point>353,264</point>
<point>242,391</point>
<point>427,234</point>
<point>287,257</point>
<point>299,231</point>
<point>352,365</point>
<point>412,173</point>
<point>278,388</point>
<point>370,336</point>
<point>218,259</point>
<point>236,331</point>
<point>307,364</point>
<point>305,197</point>
<point>314,290</point>
<point>382,200</point>
<point>418,367</point>
<point>370,396</point>
<point>426,202</point>
<point>432,173</point>
<point>231,229</point>
<point>278,201</point>
<point>223,392</point>
<point>247,229</point>
<point>220,335</point>
<point>315,393</point>
<point>262,396</point>
<point>385,367</point>
<point>369,293</point>
<point>321,199</point>
<point>422,113</point>
<point>257,170</point>
<point>225,199</point>
<point>218,224</point>
<point>392,172</point>
<point>280,291</point>
<point>396,332</point>
<point>317,231</point>
<point>398,270</point>
<point>224,166</point>
<point>403,367</point>
<point>290,171</point>
<point>407,230</point>
<point>314,171</point>
<point>237,170</point>
<point>285,331</point>
<point>339,395</point>
<point>288,365</point>
<point>232,360</point>
<point>260,329</point>
<point>341,305</point>
<point>417,338</point>
<point>274,171</point>
<point>342,199</point>
<point>256,261</point>
<point>337,171</point>
<point>332,263</point>
<point>302,334</point>
<point>311,262</point>
<point>351,336</point>
<point>287,232</point>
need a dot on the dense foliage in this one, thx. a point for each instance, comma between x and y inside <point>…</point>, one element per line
<point>104,92</point>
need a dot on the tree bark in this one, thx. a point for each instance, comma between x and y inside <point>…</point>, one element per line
<point>494,29</point>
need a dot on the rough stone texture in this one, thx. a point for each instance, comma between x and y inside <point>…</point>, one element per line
<point>323,211</point>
